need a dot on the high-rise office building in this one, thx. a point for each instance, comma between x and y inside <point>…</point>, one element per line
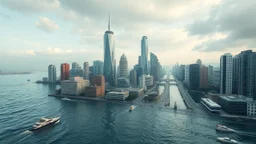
<point>76,70</point>
<point>210,75</point>
<point>194,76</point>
<point>226,64</point>
<point>91,72</point>
<point>247,73</point>
<point>155,67</point>
<point>64,71</point>
<point>123,66</point>
<point>235,72</point>
<point>139,72</point>
<point>186,77</point>
<point>51,74</point>
<point>86,71</point>
<point>203,76</point>
<point>133,78</point>
<point>109,56</point>
<point>144,54</point>
<point>139,60</point>
<point>216,78</point>
<point>98,67</point>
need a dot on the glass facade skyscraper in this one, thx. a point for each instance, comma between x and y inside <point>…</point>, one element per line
<point>144,54</point>
<point>109,56</point>
<point>98,67</point>
<point>51,73</point>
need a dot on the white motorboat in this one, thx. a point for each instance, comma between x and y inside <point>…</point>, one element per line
<point>132,107</point>
<point>226,140</point>
<point>65,98</point>
<point>44,122</point>
<point>223,128</point>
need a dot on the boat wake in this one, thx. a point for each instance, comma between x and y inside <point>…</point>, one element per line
<point>67,99</point>
<point>25,132</point>
<point>242,133</point>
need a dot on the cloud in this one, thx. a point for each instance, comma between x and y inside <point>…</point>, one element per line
<point>233,18</point>
<point>31,5</point>
<point>46,24</point>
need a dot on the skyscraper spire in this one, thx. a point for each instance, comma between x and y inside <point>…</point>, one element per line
<point>109,21</point>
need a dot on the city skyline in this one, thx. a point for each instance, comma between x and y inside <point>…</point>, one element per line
<point>52,32</point>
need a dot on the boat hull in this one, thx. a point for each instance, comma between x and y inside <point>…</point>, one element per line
<point>57,120</point>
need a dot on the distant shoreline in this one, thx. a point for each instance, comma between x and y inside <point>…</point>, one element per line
<point>15,73</point>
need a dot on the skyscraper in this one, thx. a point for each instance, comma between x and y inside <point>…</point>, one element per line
<point>51,74</point>
<point>203,76</point>
<point>144,54</point>
<point>194,76</point>
<point>98,67</point>
<point>210,75</point>
<point>64,71</point>
<point>155,67</point>
<point>247,74</point>
<point>133,78</point>
<point>226,64</point>
<point>123,66</point>
<point>86,71</point>
<point>235,71</point>
<point>76,70</point>
<point>109,56</point>
<point>186,77</point>
<point>139,72</point>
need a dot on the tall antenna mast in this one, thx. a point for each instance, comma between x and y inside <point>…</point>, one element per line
<point>109,21</point>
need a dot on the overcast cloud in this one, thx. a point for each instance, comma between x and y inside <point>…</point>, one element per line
<point>178,30</point>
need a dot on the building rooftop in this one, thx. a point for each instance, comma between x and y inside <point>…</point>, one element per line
<point>210,102</point>
<point>233,98</point>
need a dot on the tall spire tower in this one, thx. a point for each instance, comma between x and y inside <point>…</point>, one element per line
<point>109,21</point>
<point>109,56</point>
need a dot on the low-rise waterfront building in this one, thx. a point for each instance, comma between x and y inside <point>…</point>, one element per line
<point>210,105</point>
<point>93,91</point>
<point>74,87</point>
<point>45,79</point>
<point>251,107</point>
<point>99,80</point>
<point>114,95</point>
<point>123,82</point>
<point>233,105</point>
<point>136,92</point>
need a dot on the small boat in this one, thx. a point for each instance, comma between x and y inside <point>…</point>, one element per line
<point>28,80</point>
<point>132,107</point>
<point>175,106</point>
<point>223,128</point>
<point>226,140</point>
<point>44,122</point>
<point>65,98</point>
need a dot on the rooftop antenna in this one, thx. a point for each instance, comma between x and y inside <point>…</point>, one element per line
<point>109,21</point>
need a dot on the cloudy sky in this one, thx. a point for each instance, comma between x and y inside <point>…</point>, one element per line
<point>36,33</point>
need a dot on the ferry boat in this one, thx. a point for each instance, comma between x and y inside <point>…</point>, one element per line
<point>44,122</point>
<point>223,128</point>
<point>132,107</point>
<point>175,106</point>
<point>226,140</point>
